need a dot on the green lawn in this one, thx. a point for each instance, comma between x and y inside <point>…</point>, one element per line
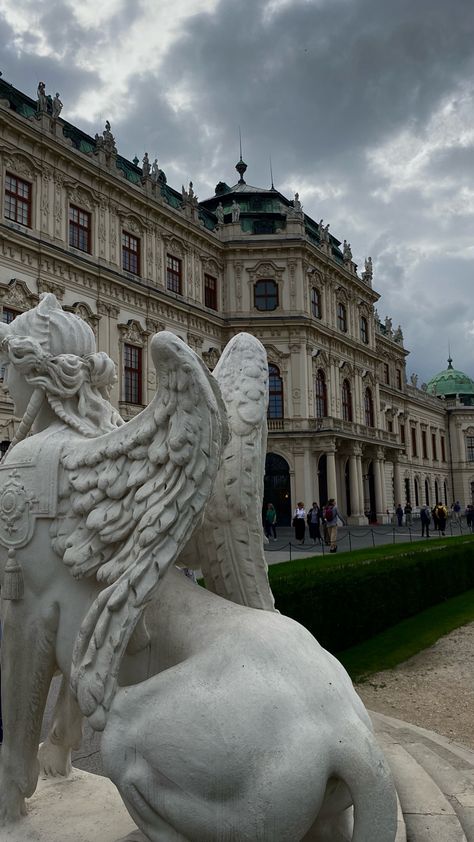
<point>396,644</point>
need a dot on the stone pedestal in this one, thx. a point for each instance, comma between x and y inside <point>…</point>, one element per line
<point>81,808</point>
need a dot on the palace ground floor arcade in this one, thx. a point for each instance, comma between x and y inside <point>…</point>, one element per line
<point>366,479</point>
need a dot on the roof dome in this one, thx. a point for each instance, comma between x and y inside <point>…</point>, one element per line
<point>450,382</point>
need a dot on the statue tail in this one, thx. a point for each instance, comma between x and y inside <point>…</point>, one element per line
<point>365,772</point>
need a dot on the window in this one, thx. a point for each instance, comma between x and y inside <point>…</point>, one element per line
<point>132,374</point>
<point>79,229</point>
<point>427,493</point>
<point>316,303</point>
<point>364,330</point>
<point>433,446</point>
<point>424,444</point>
<point>275,385</point>
<point>346,401</point>
<point>8,315</point>
<point>321,395</point>
<point>174,274</point>
<point>399,379</point>
<point>266,295</point>
<point>386,374</point>
<point>130,253</point>
<point>4,445</point>
<point>369,409</point>
<point>413,441</point>
<point>210,292</point>
<point>402,433</point>
<point>342,317</point>
<point>390,426</point>
<point>17,200</point>
<point>443,449</point>
<point>417,493</point>
<point>407,490</point>
<point>469,448</point>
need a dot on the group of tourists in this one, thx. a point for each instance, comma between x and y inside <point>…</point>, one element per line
<point>327,517</point>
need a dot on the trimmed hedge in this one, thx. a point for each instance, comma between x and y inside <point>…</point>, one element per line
<point>344,605</point>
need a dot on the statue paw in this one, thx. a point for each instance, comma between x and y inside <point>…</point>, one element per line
<point>54,760</point>
<point>12,802</point>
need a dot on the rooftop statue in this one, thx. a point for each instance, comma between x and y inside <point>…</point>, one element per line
<point>146,168</point>
<point>155,170</point>
<point>367,274</point>
<point>94,515</point>
<point>235,211</point>
<point>220,213</point>
<point>323,232</point>
<point>57,106</point>
<point>346,252</point>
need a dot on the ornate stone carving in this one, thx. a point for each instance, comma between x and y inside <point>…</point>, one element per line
<point>133,333</point>
<point>48,285</point>
<point>211,357</point>
<point>16,294</point>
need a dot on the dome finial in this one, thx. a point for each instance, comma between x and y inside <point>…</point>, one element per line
<point>450,362</point>
<point>241,166</point>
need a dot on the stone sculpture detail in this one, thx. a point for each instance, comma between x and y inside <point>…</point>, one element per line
<point>235,211</point>
<point>227,699</point>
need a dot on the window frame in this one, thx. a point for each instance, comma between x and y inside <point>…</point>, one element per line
<point>369,408</point>
<point>434,448</point>
<point>20,200</point>
<point>470,448</point>
<point>131,253</point>
<point>275,393</point>
<point>402,434</point>
<point>414,447</point>
<point>320,395</point>
<point>316,310</point>
<point>346,400</point>
<point>341,317</point>
<point>132,375</point>
<point>76,227</point>
<point>210,292</point>
<point>443,449</point>
<point>386,374</point>
<point>399,378</point>
<point>266,295</point>
<point>174,274</point>
<point>364,329</point>
<point>424,445</point>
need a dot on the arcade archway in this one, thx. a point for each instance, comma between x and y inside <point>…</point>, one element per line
<point>277,487</point>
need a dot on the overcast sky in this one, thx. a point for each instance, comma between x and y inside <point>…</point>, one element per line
<point>366,107</point>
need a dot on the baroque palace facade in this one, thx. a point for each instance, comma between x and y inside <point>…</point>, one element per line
<point>132,256</point>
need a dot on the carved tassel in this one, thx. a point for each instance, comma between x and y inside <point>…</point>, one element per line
<point>13,586</point>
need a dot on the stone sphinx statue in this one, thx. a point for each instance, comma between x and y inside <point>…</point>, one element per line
<point>220,718</point>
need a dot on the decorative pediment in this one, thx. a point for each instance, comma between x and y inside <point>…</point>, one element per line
<point>16,294</point>
<point>131,223</point>
<point>276,356</point>
<point>211,266</point>
<point>82,196</point>
<point>82,309</point>
<point>211,357</point>
<point>343,294</point>
<point>346,368</point>
<point>174,246</point>
<point>320,359</point>
<point>365,309</point>
<point>47,285</point>
<point>18,163</point>
<point>133,333</point>
<point>468,431</point>
<point>266,269</point>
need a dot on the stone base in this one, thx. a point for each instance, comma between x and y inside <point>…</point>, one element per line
<point>81,808</point>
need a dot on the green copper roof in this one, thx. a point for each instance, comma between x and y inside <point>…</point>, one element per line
<point>450,382</point>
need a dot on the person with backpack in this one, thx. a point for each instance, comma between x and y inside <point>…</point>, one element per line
<point>441,515</point>
<point>425,517</point>
<point>333,518</point>
<point>314,519</point>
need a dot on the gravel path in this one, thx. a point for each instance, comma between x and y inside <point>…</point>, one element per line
<point>434,689</point>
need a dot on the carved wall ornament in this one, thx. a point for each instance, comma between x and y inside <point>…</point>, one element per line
<point>16,295</point>
<point>83,310</point>
<point>19,163</point>
<point>133,333</point>
<point>82,196</point>
<point>55,287</point>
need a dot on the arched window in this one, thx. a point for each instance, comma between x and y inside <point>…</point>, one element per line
<point>316,303</point>
<point>437,492</point>
<point>342,317</point>
<point>275,385</point>
<point>369,408</point>
<point>417,493</point>
<point>346,401</point>
<point>266,295</point>
<point>427,493</point>
<point>364,330</point>
<point>321,395</point>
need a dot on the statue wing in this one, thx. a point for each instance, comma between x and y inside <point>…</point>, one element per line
<point>137,494</point>
<point>228,546</point>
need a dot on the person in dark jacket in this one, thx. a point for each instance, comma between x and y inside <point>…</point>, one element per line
<point>314,520</point>
<point>425,517</point>
<point>399,514</point>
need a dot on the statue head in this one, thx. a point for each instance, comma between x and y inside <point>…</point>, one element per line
<point>50,356</point>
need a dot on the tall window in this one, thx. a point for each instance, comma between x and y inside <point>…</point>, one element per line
<point>275,385</point>
<point>174,274</point>
<point>402,433</point>
<point>470,448</point>
<point>316,303</point>
<point>369,408</point>
<point>433,446</point>
<point>413,441</point>
<point>386,374</point>
<point>17,200</point>
<point>399,379</point>
<point>79,229</point>
<point>407,490</point>
<point>364,330</point>
<point>130,253</point>
<point>8,315</point>
<point>266,295</point>
<point>424,444</point>
<point>321,395</point>
<point>443,449</point>
<point>342,317</point>
<point>132,374</point>
<point>210,292</point>
<point>346,401</point>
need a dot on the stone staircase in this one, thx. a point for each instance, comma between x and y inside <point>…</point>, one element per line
<point>434,779</point>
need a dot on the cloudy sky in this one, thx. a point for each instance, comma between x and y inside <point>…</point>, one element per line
<point>366,107</point>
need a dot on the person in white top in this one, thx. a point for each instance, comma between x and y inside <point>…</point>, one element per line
<point>299,522</point>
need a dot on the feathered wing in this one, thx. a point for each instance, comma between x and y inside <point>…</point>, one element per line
<point>228,546</point>
<point>137,494</point>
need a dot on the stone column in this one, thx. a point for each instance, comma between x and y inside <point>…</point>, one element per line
<point>397,484</point>
<point>360,479</point>
<point>379,479</point>
<point>331,473</point>
<point>355,479</point>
